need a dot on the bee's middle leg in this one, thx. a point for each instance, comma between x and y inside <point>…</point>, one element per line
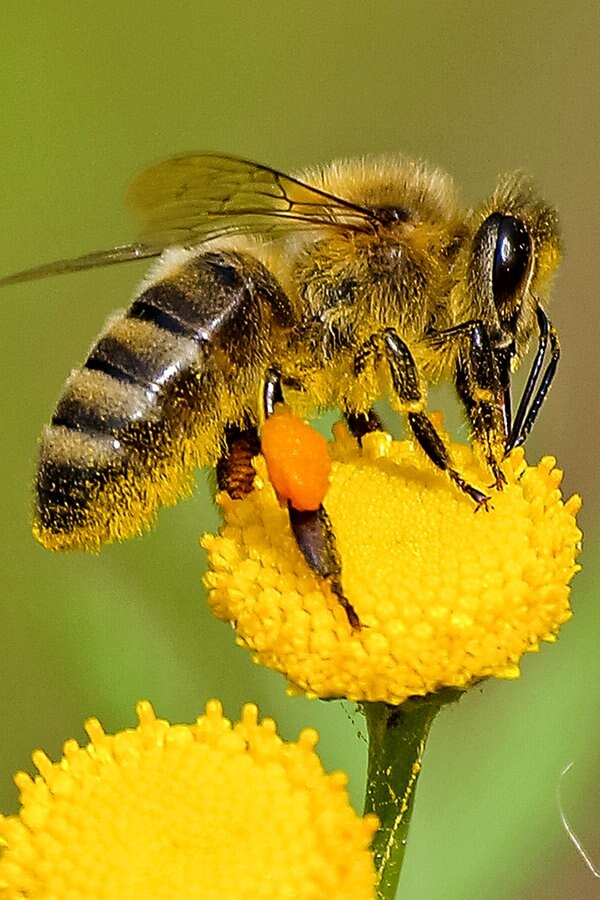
<point>406,386</point>
<point>235,471</point>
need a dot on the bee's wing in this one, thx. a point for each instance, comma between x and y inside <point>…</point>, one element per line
<point>192,198</point>
<point>122,253</point>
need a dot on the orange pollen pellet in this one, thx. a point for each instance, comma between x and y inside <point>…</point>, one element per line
<point>297,459</point>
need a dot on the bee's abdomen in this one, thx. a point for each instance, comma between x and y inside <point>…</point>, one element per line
<point>124,378</point>
<point>108,427</point>
<point>74,468</point>
<point>152,401</point>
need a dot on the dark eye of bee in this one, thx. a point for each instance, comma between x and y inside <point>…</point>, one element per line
<point>512,256</point>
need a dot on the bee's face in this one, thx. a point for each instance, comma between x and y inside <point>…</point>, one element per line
<point>508,262</point>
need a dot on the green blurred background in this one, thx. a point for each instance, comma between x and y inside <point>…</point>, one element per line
<point>91,93</point>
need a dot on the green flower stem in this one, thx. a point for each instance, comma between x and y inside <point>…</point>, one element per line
<point>397,737</point>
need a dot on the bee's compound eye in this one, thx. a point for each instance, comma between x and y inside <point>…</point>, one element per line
<point>512,256</point>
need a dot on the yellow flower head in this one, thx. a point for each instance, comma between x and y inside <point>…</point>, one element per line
<point>445,596</point>
<point>203,810</point>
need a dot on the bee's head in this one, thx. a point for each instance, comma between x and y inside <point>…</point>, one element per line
<point>513,254</point>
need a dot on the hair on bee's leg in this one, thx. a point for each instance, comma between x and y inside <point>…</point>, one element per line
<point>405,382</point>
<point>488,424</point>
<point>531,400</point>
<point>504,357</point>
<point>235,472</point>
<point>312,529</point>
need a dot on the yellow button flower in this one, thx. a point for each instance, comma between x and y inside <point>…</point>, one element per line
<point>204,810</point>
<point>445,596</point>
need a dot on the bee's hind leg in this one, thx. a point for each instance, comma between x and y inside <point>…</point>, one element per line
<point>312,528</point>
<point>314,535</point>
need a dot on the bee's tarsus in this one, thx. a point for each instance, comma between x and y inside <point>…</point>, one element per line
<point>351,613</point>
<point>499,479</point>
<point>483,503</point>
<point>434,447</point>
<point>481,499</point>
<point>315,538</point>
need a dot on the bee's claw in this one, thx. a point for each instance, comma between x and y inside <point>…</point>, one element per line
<point>481,499</point>
<point>351,613</point>
<point>499,481</point>
<point>483,503</point>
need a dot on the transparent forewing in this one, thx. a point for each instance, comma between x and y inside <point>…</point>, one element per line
<point>192,198</point>
<point>122,253</point>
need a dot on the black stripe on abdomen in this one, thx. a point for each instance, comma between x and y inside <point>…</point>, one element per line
<point>73,468</point>
<point>168,307</point>
<point>126,363</point>
<point>64,492</point>
<point>95,402</point>
<point>99,364</point>
<point>122,381</point>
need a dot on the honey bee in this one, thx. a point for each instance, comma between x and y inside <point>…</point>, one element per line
<point>360,279</point>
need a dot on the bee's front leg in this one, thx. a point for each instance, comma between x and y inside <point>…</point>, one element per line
<point>478,384</point>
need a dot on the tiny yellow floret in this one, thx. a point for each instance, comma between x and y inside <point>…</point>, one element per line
<point>208,810</point>
<point>446,595</point>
